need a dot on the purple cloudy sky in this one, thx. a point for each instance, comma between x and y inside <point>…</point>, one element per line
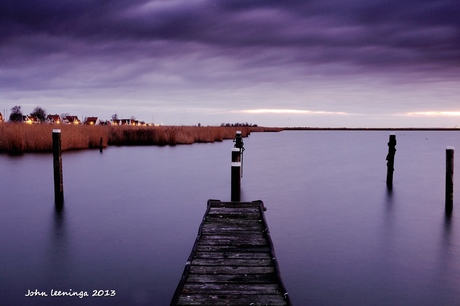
<point>354,63</point>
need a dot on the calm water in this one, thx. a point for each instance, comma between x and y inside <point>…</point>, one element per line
<point>131,215</point>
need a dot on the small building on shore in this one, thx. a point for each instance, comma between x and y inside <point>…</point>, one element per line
<point>127,122</point>
<point>30,119</point>
<point>53,119</point>
<point>72,120</point>
<point>91,120</point>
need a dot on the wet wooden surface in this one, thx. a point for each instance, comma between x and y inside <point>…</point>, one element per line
<point>233,261</point>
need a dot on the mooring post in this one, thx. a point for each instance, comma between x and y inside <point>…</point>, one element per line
<point>391,160</point>
<point>449,179</point>
<point>100,145</point>
<point>57,166</point>
<point>236,175</point>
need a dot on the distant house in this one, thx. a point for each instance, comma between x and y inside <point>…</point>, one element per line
<point>53,119</point>
<point>104,122</point>
<point>116,122</point>
<point>91,121</point>
<point>72,120</point>
<point>126,122</point>
<point>30,119</point>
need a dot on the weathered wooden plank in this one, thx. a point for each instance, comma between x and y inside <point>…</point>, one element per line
<point>228,279</point>
<point>249,262</point>
<point>234,211</point>
<point>220,300</point>
<point>219,204</point>
<point>231,228</point>
<point>233,216</point>
<point>239,235</point>
<point>225,289</point>
<point>232,241</point>
<point>231,270</point>
<point>232,248</point>
<point>235,222</point>
<point>232,255</point>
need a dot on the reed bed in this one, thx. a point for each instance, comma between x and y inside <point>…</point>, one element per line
<point>20,138</point>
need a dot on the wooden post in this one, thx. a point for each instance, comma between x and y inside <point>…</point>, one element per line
<point>100,145</point>
<point>236,175</point>
<point>391,160</point>
<point>449,179</point>
<point>57,166</point>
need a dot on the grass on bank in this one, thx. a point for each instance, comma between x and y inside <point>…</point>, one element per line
<point>20,138</point>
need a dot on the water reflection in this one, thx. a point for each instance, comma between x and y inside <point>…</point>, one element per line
<point>447,272</point>
<point>447,226</point>
<point>57,267</point>
<point>389,198</point>
<point>449,209</point>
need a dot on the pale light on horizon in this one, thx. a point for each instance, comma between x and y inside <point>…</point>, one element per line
<point>435,113</point>
<point>289,111</point>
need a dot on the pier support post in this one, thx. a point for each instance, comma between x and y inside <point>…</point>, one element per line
<point>449,179</point>
<point>391,160</point>
<point>236,175</point>
<point>100,145</point>
<point>57,167</point>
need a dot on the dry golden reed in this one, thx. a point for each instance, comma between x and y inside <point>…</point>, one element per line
<point>19,138</point>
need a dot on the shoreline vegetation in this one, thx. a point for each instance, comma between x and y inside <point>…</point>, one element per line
<point>21,138</point>
<point>18,138</point>
<point>367,129</point>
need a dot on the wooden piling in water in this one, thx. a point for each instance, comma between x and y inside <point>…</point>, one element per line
<point>57,168</point>
<point>236,175</point>
<point>391,160</point>
<point>449,179</point>
<point>100,145</point>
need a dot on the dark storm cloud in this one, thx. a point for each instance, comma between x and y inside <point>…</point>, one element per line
<point>360,33</point>
<point>309,56</point>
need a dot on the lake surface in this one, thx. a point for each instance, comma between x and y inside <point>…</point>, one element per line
<point>131,216</point>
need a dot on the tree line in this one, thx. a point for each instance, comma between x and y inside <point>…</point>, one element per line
<point>17,115</point>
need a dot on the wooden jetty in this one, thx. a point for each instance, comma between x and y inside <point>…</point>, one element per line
<point>233,260</point>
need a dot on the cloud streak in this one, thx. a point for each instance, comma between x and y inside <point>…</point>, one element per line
<point>290,111</point>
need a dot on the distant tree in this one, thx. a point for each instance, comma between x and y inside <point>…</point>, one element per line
<point>16,114</point>
<point>40,113</point>
<point>115,116</point>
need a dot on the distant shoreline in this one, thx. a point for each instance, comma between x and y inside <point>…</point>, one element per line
<point>366,129</point>
<point>19,138</point>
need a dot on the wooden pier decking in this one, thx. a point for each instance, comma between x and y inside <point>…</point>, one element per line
<point>233,260</point>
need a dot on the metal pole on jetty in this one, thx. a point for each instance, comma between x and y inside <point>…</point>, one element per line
<point>57,167</point>
<point>449,179</point>
<point>237,156</point>
<point>236,175</point>
<point>391,160</point>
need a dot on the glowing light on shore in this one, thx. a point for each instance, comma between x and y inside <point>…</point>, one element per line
<point>289,111</point>
<point>435,114</point>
